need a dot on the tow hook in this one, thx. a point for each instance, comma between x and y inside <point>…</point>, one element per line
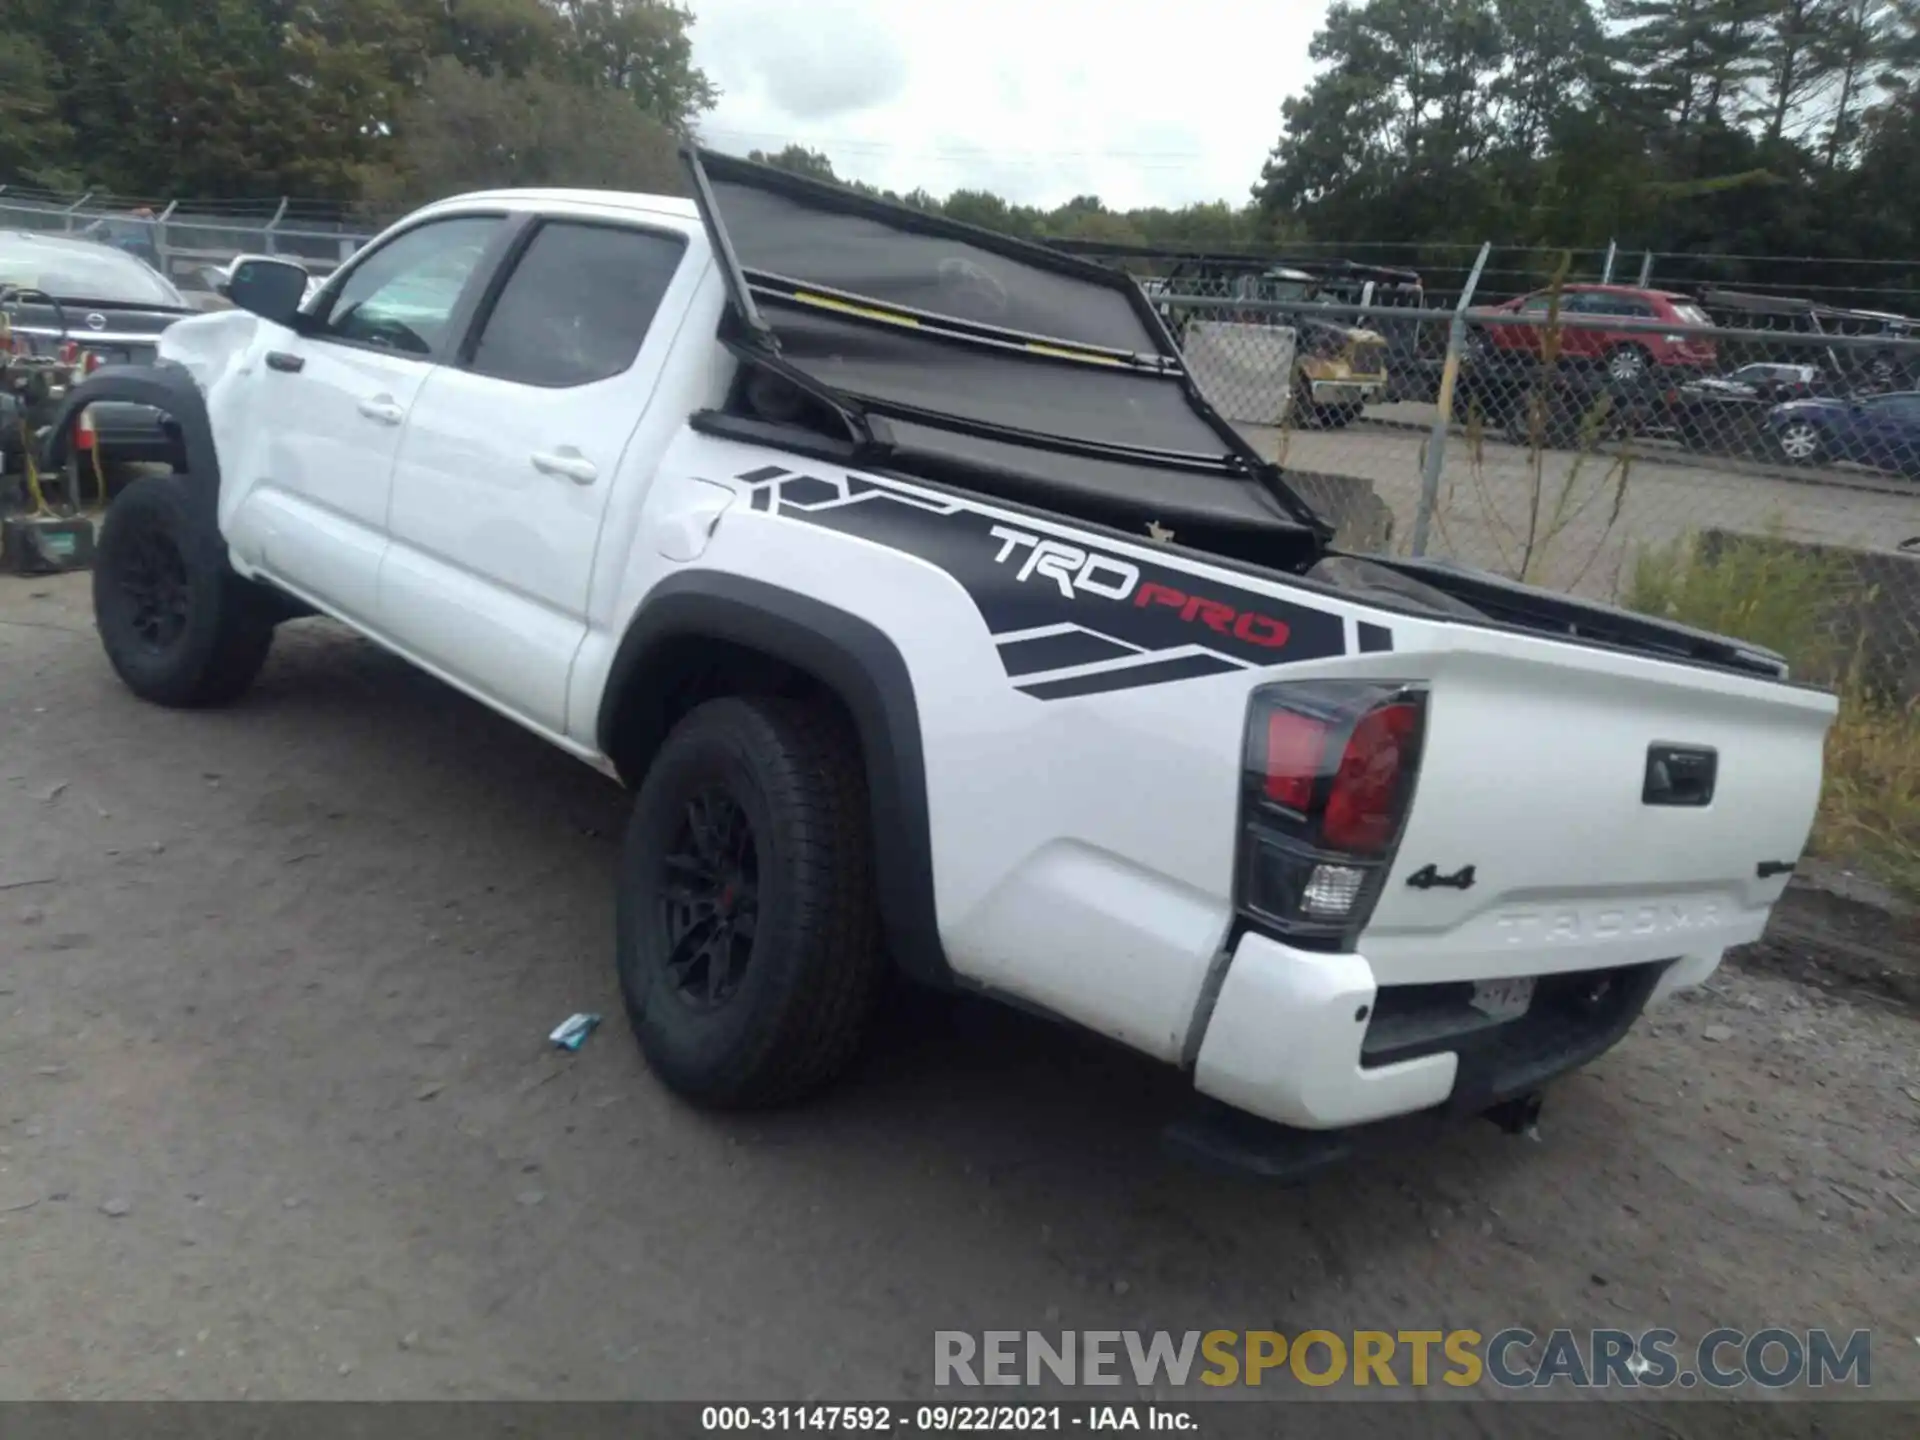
<point>1520,1115</point>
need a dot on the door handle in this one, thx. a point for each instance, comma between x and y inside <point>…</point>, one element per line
<point>568,463</point>
<point>382,408</point>
<point>1680,775</point>
<point>282,361</point>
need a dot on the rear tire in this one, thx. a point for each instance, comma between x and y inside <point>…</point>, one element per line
<point>180,628</point>
<point>1629,365</point>
<point>748,939</point>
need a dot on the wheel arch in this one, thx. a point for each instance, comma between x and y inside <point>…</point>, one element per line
<point>168,388</point>
<point>700,634</point>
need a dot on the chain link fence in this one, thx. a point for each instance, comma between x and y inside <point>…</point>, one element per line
<point>186,243</point>
<point>1613,444</point>
<point>1639,458</point>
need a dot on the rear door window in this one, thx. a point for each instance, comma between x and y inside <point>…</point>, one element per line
<point>578,304</point>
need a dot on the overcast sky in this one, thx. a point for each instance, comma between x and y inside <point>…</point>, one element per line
<point>1141,102</point>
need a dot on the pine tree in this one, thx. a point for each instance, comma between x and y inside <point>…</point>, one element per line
<point>1796,65</point>
<point>1694,58</point>
<point>1867,48</point>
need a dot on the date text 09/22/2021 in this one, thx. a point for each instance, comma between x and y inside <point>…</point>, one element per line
<point>949,1419</point>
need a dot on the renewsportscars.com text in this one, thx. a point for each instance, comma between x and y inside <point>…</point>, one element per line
<point>1514,1358</point>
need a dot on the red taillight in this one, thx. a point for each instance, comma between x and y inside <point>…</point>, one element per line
<point>83,432</point>
<point>1296,745</point>
<point>70,352</point>
<point>1363,807</point>
<point>90,362</point>
<point>1330,772</point>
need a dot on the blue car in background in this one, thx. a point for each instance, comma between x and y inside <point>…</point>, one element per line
<point>1880,430</point>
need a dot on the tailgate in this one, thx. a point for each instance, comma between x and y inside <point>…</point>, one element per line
<point>1613,810</point>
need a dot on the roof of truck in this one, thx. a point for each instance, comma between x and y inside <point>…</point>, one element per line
<point>673,205</point>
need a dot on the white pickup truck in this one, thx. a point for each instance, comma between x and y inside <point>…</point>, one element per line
<point>940,624</point>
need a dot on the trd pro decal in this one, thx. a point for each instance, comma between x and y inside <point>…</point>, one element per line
<point>1057,605</point>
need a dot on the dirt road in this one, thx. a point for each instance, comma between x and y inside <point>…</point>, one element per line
<point>278,1117</point>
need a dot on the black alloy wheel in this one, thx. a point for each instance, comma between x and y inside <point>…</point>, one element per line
<point>710,900</point>
<point>153,577</point>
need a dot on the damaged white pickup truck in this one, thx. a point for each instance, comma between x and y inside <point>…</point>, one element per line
<point>939,623</point>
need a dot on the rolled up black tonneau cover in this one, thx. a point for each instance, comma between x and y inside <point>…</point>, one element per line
<point>966,341</point>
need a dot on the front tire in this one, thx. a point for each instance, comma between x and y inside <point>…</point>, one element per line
<point>1800,442</point>
<point>748,936</point>
<point>180,628</point>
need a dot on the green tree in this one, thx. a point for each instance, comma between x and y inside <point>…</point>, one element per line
<point>35,143</point>
<point>1868,47</point>
<point>225,97</point>
<point>1390,132</point>
<point>1556,58</point>
<point>992,212</point>
<point>799,159</point>
<point>1693,59</point>
<point>1085,218</point>
<point>494,37</point>
<point>1796,63</point>
<point>462,130</point>
<point>641,48</point>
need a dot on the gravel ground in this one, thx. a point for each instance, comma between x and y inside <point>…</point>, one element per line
<point>278,1119</point>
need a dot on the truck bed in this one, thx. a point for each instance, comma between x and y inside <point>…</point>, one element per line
<point>926,348</point>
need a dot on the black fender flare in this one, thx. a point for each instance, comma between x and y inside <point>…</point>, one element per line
<point>165,387</point>
<point>856,661</point>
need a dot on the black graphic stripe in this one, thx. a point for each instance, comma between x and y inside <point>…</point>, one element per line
<point>1058,652</point>
<point>1024,576</point>
<point>1129,677</point>
<point>1375,638</point>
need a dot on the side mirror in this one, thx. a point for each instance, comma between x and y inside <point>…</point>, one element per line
<point>271,289</point>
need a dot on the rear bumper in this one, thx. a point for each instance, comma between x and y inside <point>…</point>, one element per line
<point>1311,1040</point>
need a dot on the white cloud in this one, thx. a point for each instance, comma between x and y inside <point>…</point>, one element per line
<point>1138,101</point>
<point>809,62</point>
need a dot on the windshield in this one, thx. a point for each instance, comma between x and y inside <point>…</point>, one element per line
<point>84,272</point>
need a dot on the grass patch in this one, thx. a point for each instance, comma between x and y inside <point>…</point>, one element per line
<point>1796,603</point>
